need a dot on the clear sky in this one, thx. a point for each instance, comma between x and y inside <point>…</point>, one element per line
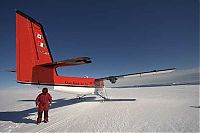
<point>121,36</point>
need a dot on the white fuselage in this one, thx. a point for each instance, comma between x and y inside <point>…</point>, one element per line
<point>75,90</point>
<point>70,89</point>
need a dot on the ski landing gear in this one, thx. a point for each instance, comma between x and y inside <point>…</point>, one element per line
<point>102,93</point>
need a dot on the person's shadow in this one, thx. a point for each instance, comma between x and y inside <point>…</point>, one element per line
<point>23,116</point>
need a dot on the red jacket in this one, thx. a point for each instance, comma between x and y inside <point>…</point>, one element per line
<point>43,100</point>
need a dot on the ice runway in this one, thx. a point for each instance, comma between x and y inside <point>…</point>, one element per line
<point>151,109</point>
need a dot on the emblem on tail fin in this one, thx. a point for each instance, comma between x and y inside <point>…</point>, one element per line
<point>43,45</point>
<point>39,36</point>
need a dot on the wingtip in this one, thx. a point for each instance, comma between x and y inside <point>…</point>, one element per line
<point>8,70</point>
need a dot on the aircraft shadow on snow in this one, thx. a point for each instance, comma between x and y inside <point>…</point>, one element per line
<point>195,106</point>
<point>20,116</point>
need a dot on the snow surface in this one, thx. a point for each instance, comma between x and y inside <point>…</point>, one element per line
<point>160,109</point>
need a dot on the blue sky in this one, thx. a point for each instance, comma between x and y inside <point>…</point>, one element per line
<point>121,36</point>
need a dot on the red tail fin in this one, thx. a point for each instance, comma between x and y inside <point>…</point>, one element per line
<point>34,63</point>
<point>31,51</point>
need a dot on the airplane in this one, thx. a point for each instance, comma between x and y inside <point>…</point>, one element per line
<point>35,64</point>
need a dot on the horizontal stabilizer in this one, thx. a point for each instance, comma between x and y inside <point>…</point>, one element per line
<point>69,62</point>
<point>113,79</point>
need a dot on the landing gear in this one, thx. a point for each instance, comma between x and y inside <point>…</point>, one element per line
<point>104,97</point>
<point>102,93</point>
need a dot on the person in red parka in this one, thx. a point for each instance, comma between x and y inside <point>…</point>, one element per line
<point>43,101</point>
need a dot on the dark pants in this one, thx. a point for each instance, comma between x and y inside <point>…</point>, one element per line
<point>39,119</point>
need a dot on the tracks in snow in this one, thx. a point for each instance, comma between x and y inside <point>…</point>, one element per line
<point>64,116</point>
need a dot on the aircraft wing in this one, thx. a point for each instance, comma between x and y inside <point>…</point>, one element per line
<point>113,79</point>
<point>69,62</point>
<point>8,70</point>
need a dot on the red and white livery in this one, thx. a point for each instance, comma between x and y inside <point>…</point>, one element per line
<point>35,65</point>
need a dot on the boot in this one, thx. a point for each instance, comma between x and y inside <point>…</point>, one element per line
<point>38,121</point>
